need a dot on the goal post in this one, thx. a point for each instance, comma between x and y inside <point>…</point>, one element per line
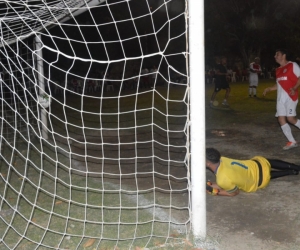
<point>197,113</point>
<point>41,83</point>
<point>102,124</point>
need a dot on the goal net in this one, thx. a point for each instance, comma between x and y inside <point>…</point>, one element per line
<point>94,133</point>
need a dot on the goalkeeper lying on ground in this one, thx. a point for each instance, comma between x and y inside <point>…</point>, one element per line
<point>248,175</point>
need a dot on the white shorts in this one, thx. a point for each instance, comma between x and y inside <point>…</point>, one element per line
<point>287,108</point>
<point>253,80</point>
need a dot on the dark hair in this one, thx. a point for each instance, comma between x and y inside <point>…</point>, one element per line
<point>213,155</point>
<point>285,52</point>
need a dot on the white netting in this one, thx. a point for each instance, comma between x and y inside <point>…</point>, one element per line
<point>94,113</point>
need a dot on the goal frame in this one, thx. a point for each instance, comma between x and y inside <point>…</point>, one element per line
<point>197,117</point>
<point>196,64</point>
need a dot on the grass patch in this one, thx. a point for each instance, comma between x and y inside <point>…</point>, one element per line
<point>243,108</point>
<point>48,203</point>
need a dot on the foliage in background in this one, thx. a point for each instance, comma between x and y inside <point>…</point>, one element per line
<point>251,27</point>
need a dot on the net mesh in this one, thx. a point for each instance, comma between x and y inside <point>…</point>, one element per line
<point>94,135</point>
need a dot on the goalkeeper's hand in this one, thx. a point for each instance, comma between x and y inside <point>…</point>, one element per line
<point>211,190</point>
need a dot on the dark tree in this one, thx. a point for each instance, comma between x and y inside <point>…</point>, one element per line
<point>251,27</point>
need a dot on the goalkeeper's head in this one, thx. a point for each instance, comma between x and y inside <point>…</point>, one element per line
<point>213,155</point>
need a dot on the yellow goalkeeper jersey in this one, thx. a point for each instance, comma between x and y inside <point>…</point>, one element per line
<point>242,174</point>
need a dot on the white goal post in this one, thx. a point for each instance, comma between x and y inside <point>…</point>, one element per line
<point>197,85</point>
<point>102,124</point>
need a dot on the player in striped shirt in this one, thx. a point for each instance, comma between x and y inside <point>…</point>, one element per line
<point>255,70</point>
<point>287,84</point>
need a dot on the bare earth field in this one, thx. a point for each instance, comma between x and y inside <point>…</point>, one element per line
<point>268,219</point>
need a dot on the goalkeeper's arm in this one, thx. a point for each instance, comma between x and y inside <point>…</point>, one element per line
<point>214,189</point>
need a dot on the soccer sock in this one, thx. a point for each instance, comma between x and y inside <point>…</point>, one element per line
<point>250,90</point>
<point>254,91</point>
<point>288,132</point>
<point>297,124</point>
<point>283,165</point>
<point>277,174</point>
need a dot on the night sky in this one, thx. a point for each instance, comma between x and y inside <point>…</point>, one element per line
<point>244,29</point>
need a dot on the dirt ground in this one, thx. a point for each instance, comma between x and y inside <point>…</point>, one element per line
<point>268,219</point>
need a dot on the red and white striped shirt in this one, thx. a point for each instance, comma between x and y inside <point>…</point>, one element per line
<point>286,78</point>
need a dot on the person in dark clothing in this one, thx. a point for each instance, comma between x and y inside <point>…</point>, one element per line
<point>221,81</point>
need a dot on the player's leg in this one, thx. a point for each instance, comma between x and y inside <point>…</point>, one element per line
<point>213,96</point>
<point>250,91</point>
<point>286,129</point>
<point>283,111</point>
<point>250,85</point>
<point>283,168</point>
<point>227,88</point>
<point>254,91</point>
<point>254,86</point>
<point>293,119</point>
<point>225,103</point>
<point>283,165</point>
<point>277,174</point>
